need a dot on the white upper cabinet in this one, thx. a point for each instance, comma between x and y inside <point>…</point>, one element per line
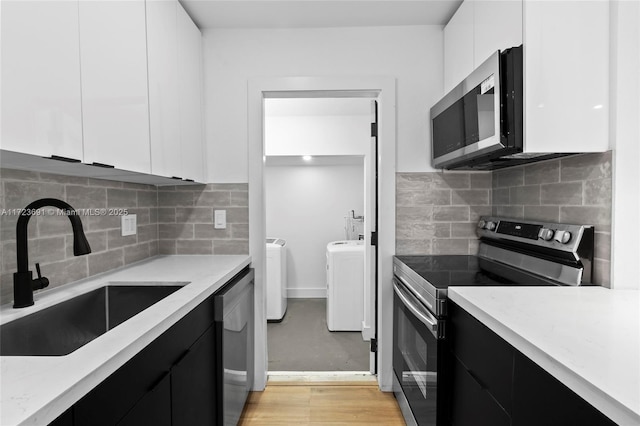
<point>497,26</point>
<point>566,69</point>
<point>566,65</point>
<point>190,91</point>
<point>41,108</point>
<point>162,53</point>
<point>115,107</point>
<point>476,30</point>
<point>458,46</point>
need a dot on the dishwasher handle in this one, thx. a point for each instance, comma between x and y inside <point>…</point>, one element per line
<point>231,294</point>
<point>412,303</point>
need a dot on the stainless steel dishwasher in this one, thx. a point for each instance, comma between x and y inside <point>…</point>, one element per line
<point>234,319</point>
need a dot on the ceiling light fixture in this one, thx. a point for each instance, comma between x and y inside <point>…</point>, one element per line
<point>306,157</point>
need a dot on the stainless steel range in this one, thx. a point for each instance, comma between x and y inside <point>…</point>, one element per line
<point>511,252</point>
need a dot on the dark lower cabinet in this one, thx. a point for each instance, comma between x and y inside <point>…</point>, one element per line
<point>172,381</point>
<point>492,383</point>
<point>112,399</point>
<point>64,419</point>
<point>486,356</point>
<point>541,399</point>
<point>472,404</point>
<point>154,408</point>
<point>193,384</point>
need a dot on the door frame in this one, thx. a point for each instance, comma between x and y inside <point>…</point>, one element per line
<point>382,88</point>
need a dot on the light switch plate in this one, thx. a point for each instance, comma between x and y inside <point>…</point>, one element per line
<point>129,225</point>
<point>219,219</point>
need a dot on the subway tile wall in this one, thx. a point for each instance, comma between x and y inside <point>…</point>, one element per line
<point>170,220</point>
<point>436,213</point>
<point>185,219</point>
<point>574,189</point>
<point>50,236</point>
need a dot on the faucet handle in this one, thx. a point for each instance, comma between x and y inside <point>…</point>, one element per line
<point>40,282</point>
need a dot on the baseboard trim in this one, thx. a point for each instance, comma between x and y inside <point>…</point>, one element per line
<point>307,293</point>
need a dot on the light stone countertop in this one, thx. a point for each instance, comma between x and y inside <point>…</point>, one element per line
<point>36,390</point>
<point>586,337</point>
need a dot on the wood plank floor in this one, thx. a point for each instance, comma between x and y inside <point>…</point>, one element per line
<point>326,403</point>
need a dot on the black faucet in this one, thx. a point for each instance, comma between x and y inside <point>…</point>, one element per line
<point>23,282</point>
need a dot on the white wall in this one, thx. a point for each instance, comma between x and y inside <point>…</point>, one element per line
<point>413,55</point>
<point>317,135</point>
<point>306,206</point>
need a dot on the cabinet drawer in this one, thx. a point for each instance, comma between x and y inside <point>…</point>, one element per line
<point>471,404</point>
<point>193,384</point>
<point>487,357</point>
<point>153,409</point>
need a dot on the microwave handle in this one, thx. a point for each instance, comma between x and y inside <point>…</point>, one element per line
<point>423,316</point>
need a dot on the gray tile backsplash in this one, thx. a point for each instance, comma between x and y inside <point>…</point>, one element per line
<point>436,212</point>
<point>170,220</point>
<point>573,189</point>
<point>185,219</point>
<point>50,236</point>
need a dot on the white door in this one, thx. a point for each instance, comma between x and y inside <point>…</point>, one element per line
<point>41,112</point>
<point>190,97</point>
<point>162,52</point>
<point>115,104</point>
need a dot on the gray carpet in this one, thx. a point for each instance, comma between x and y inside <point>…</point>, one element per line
<point>302,342</point>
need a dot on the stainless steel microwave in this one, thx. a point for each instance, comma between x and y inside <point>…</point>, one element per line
<point>479,124</point>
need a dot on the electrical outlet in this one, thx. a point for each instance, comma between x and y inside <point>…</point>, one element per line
<point>219,219</point>
<point>129,225</point>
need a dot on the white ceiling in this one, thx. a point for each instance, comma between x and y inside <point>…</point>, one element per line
<point>318,13</point>
<point>277,107</point>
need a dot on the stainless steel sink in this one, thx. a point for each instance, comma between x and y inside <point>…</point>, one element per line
<point>65,327</point>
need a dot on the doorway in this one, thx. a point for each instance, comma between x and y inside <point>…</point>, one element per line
<point>319,170</point>
<point>322,87</point>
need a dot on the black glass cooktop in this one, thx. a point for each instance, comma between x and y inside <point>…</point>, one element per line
<point>443,271</point>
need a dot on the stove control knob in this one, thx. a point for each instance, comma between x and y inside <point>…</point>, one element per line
<point>563,237</point>
<point>490,226</point>
<point>481,224</point>
<point>546,234</point>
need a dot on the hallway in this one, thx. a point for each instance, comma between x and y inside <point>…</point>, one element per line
<point>302,342</point>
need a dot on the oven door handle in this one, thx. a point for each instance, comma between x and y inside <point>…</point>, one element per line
<point>423,316</point>
<point>406,284</point>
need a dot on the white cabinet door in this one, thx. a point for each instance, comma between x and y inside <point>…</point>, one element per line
<point>497,26</point>
<point>164,126</point>
<point>41,108</point>
<point>115,108</point>
<point>458,46</point>
<point>566,71</point>
<point>190,88</point>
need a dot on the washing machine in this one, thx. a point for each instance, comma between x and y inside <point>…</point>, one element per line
<point>276,279</point>
<point>345,285</point>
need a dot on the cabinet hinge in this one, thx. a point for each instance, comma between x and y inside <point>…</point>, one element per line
<point>374,238</point>
<point>374,130</point>
<point>374,345</point>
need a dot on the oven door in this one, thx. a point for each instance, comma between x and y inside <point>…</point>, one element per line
<point>418,359</point>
